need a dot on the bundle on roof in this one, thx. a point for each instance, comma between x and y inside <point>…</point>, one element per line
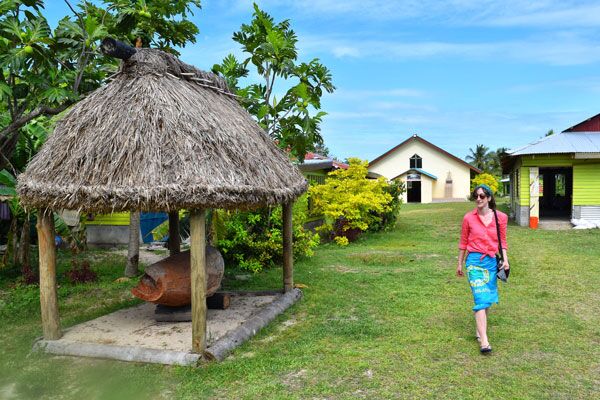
<point>162,135</point>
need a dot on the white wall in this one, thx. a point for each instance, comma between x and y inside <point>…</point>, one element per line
<point>434,162</point>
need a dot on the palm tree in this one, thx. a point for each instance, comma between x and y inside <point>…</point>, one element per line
<point>480,157</point>
<point>494,163</point>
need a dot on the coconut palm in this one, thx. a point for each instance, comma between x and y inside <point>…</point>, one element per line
<point>480,157</point>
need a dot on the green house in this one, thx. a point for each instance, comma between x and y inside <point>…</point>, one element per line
<point>557,177</point>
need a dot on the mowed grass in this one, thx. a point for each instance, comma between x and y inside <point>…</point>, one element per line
<point>382,318</point>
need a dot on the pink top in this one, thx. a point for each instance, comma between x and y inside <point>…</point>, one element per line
<point>475,237</point>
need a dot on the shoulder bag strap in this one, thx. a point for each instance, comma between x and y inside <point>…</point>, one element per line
<point>499,238</point>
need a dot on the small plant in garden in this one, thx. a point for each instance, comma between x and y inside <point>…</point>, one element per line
<point>29,276</point>
<point>352,204</point>
<point>486,179</point>
<point>81,272</point>
<point>253,240</point>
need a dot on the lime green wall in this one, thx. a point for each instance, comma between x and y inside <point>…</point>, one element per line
<point>586,176</point>
<point>586,184</point>
<point>524,186</point>
<point>120,219</point>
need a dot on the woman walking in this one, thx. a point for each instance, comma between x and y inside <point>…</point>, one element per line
<point>479,240</point>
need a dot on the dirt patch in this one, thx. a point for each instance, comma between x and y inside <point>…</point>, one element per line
<point>294,380</point>
<point>378,258</point>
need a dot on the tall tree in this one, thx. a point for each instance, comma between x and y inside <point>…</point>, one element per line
<point>550,132</point>
<point>292,120</point>
<point>44,71</point>
<point>494,164</point>
<point>479,157</point>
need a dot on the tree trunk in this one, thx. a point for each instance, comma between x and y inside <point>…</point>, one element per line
<point>133,252</point>
<point>15,243</point>
<point>25,241</point>
<point>8,257</point>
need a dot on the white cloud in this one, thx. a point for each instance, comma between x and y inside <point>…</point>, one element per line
<point>556,48</point>
<point>345,51</point>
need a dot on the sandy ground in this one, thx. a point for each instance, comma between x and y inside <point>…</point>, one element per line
<point>136,326</point>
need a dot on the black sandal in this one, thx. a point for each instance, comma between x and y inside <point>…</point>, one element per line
<point>485,349</point>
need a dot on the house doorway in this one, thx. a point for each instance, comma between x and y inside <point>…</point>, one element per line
<point>413,191</point>
<point>556,192</point>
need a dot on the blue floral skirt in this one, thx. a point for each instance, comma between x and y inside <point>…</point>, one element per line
<point>481,272</point>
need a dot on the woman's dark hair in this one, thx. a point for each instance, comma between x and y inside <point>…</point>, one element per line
<point>488,192</point>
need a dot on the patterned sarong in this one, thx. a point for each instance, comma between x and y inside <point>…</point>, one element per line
<point>481,271</point>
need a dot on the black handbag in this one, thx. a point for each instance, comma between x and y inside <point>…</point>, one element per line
<point>502,273</point>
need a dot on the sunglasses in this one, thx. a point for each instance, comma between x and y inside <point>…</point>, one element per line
<point>481,196</point>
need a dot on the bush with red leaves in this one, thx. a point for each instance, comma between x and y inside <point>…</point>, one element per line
<point>81,272</point>
<point>30,277</point>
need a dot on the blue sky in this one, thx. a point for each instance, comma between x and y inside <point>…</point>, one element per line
<point>457,73</point>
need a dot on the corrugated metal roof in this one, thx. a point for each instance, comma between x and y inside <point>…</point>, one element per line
<point>565,142</point>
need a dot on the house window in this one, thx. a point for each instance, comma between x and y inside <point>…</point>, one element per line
<point>416,162</point>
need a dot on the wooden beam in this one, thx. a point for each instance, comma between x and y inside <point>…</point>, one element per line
<point>198,277</point>
<point>288,251</point>
<point>174,240</point>
<point>48,296</point>
<point>117,49</point>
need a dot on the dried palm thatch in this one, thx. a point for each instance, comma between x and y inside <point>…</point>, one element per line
<point>162,135</point>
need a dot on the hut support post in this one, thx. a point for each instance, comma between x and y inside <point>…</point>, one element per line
<point>48,297</point>
<point>198,276</point>
<point>174,241</point>
<point>133,249</point>
<point>288,252</point>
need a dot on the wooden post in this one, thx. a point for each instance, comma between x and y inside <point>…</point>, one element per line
<point>174,241</point>
<point>198,276</point>
<point>48,297</point>
<point>133,249</point>
<point>288,251</point>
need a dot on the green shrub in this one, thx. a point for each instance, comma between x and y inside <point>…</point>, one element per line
<point>350,203</point>
<point>253,240</point>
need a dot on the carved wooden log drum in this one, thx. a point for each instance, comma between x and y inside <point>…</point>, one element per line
<point>168,281</point>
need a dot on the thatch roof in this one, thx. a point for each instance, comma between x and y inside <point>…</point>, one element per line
<point>162,135</point>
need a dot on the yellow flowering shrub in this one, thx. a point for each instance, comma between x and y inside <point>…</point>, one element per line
<point>486,179</point>
<point>349,201</point>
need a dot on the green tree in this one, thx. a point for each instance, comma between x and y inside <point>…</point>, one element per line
<point>479,157</point>
<point>494,165</point>
<point>44,71</point>
<point>550,132</point>
<point>294,119</point>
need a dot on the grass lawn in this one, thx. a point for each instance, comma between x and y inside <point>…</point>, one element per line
<point>382,318</point>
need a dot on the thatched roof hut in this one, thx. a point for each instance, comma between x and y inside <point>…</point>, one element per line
<point>162,135</point>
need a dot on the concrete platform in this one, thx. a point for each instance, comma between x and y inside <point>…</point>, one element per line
<point>554,224</point>
<point>133,334</point>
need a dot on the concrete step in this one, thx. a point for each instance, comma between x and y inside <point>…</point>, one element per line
<point>555,224</point>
